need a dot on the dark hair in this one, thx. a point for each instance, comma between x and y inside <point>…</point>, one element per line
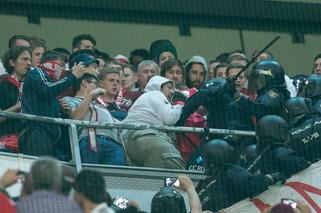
<point>67,178</point>
<point>37,42</point>
<point>222,57</point>
<point>102,55</point>
<point>62,50</point>
<point>13,39</point>
<point>139,52</point>
<point>77,40</point>
<point>86,77</point>
<point>91,185</point>
<point>168,200</point>
<point>12,54</point>
<point>133,68</point>
<point>52,55</point>
<point>169,64</point>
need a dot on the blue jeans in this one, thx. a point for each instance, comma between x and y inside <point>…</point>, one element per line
<point>109,151</point>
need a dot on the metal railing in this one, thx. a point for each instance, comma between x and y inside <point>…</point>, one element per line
<point>73,124</point>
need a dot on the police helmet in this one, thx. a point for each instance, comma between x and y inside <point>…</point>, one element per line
<point>298,106</point>
<point>271,130</point>
<point>312,87</point>
<point>218,153</point>
<point>266,73</point>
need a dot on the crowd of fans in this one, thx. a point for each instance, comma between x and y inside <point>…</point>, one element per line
<point>155,88</point>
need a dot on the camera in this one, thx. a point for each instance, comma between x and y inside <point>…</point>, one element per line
<point>171,181</point>
<point>120,202</point>
<point>290,202</point>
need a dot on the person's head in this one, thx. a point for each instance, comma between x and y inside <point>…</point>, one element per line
<point>19,40</point>
<point>53,63</point>
<point>312,88</point>
<point>220,70</point>
<point>145,70</point>
<point>217,153</point>
<point>222,58</point>
<point>211,69</point>
<point>272,131</point>
<point>264,74</point>
<point>109,79</point>
<point>17,60</point>
<point>297,107</point>
<point>299,83</point>
<point>68,175</point>
<point>168,200</point>
<point>232,70</point>
<point>162,50</point>
<point>130,77</point>
<point>38,47</point>
<point>159,83</point>
<point>317,65</point>
<point>195,72</point>
<point>89,62</point>
<point>237,58</point>
<point>83,41</point>
<point>86,83</point>
<point>90,186</point>
<point>266,55</point>
<point>45,174</point>
<point>138,55</point>
<point>173,69</point>
<point>102,57</point>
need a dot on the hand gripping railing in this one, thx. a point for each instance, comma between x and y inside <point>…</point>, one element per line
<point>73,124</point>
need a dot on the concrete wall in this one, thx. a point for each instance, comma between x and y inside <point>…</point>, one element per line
<point>121,38</point>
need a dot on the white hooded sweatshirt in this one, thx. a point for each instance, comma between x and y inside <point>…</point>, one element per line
<point>153,108</point>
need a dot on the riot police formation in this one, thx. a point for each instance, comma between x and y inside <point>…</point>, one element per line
<point>276,155</point>
<point>305,128</point>
<point>312,90</point>
<point>226,182</point>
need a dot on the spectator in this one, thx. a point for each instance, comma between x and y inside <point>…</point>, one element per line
<point>45,174</point>
<point>317,65</point>
<point>90,192</point>
<point>68,175</point>
<point>89,62</point>
<point>138,55</point>
<point>150,147</point>
<point>10,177</point>
<point>17,62</point>
<point>168,200</point>
<point>195,72</point>
<point>220,71</point>
<point>109,79</point>
<point>100,146</point>
<point>102,57</point>
<point>83,41</point>
<point>162,50</point>
<point>212,66</point>
<point>146,69</point>
<point>37,49</point>
<point>19,40</point>
<point>41,87</point>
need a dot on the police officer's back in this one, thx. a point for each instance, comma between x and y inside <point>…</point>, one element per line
<point>228,183</point>
<point>305,128</point>
<point>272,133</point>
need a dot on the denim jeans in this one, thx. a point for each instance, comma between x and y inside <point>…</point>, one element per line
<point>109,151</point>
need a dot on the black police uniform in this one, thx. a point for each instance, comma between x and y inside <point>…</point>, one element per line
<point>215,98</point>
<point>306,137</point>
<point>231,185</point>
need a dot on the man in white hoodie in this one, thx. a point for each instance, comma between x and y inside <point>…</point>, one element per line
<point>149,147</point>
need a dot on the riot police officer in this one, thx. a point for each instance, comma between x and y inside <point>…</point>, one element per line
<point>305,128</point>
<point>312,90</point>
<point>228,183</point>
<point>267,79</point>
<point>276,155</point>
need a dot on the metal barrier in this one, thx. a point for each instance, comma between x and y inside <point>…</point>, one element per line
<point>73,135</point>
